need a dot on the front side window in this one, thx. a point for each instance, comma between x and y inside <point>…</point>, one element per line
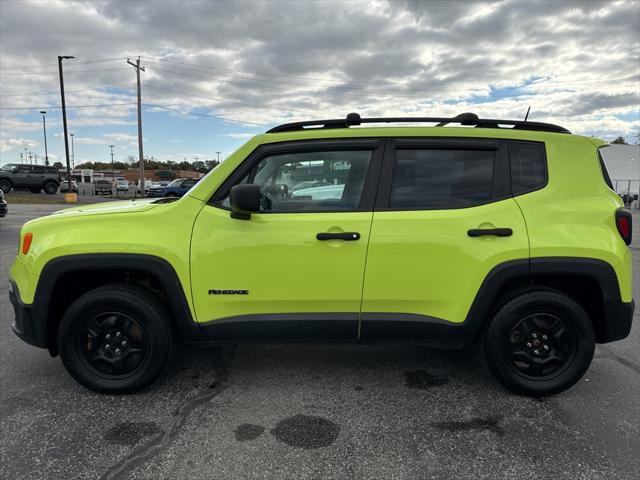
<point>310,181</point>
<point>431,179</point>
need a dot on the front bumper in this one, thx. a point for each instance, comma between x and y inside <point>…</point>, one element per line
<point>28,325</point>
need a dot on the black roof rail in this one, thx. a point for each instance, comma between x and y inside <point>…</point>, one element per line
<point>463,119</point>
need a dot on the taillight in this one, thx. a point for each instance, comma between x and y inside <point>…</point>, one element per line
<point>624,225</point>
<point>26,243</point>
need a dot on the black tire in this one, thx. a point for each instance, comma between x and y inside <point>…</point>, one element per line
<point>35,190</point>
<point>50,188</point>
<point>539,343</point>
<point>5,186</point>
<point>111,318</point>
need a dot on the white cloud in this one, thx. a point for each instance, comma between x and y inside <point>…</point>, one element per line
<point>273,62</point>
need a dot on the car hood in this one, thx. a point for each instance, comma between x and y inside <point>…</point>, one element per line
<point>127,206</point>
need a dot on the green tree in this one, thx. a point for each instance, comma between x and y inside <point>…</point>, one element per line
<point>620,141</point>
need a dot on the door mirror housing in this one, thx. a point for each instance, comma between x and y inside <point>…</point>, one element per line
<point>244,200</point>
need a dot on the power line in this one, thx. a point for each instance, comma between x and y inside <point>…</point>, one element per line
<point>70,71</point>
<point>68,106</point>
<point>632,78</point>
<point>359,91</point>
<point>33,94</point>
<point>227,100</point>
<point>185,112</point>
<point>48,65</point>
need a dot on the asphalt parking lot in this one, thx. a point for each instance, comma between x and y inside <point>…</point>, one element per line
<point>299,411</point>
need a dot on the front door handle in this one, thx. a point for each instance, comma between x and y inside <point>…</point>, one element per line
<point>497,232</point>
<point>348,236</point>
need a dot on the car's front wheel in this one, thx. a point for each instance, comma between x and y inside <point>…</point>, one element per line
<point>116,339</point>
<point>539,343</point>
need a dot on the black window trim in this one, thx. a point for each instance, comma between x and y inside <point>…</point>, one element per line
<point>502,173</point>
<point>545,166</point>
<point>368,196</point>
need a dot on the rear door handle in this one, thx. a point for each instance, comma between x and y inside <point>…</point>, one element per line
<point>497,232</point>
<point>348,236</point>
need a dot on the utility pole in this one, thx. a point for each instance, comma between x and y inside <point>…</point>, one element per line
<point>218,156</point>
<point>112,167</point>
<point>64,117</point>
<point>25,154</point>
<point>44,128</point>
<point>73,154</point>
<point>30,159</point>
<point>140,153</point>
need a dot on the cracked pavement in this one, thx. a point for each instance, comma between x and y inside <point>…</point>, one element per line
<point>313,411</point>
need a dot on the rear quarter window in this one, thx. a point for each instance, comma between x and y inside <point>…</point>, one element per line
<point>528,166</point>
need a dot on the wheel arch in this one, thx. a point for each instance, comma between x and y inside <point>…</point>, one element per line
<point>591,282</point>
<point>64,279</point>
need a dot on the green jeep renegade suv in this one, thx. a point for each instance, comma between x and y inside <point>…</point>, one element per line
<point>502,232</point>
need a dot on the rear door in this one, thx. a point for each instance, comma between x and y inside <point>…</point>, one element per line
<point>444,218</point>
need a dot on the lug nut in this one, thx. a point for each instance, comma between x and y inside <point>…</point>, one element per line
<point>124,343</point>
<point>529,344</point>
<point>534,335</point>
<point>117,351</point>
<point>117,334</point>
<point>107,346</point>
<point>537,352</point>
<point>544,337</point>
<point>546,347</point>
<point>108,336</point>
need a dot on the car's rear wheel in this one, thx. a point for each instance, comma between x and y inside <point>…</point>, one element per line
<point>116,339</point>
<point>50,188</point>
<point>539,343</point>
<point>5,186</point>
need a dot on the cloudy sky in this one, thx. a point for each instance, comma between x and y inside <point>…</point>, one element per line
<point>219,72</point>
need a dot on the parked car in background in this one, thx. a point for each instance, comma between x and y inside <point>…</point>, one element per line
<point>33,177</point>
<point>3,205</point>
<point>102,187</point>
<point>64,187</point>
<point>122,185</point>
<point>177,188</point>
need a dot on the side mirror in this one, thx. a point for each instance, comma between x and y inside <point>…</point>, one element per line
<point>244,200</point>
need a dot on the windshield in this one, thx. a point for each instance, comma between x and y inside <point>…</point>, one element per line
<point>9,166</point>
<point>176,183</point>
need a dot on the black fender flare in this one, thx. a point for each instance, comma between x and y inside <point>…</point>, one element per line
<point>156,266</point>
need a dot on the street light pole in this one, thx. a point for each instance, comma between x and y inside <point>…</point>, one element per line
<point>73,154</point>
<point>64,117</point>
<point>44,129</point>
<point>218,156</point>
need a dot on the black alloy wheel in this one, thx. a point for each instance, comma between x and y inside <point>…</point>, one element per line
<point>113,344</point>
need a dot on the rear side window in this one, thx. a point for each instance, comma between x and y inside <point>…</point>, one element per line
<point>431,179</point>
<point>528,167</point>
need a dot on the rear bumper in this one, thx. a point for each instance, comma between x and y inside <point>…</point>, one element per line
<point>27,325</point>
<point>618,320</point>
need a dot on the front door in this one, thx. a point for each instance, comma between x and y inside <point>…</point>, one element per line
<point>295,269</point>
<point>444,218</point>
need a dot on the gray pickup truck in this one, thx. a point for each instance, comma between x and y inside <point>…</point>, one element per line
<point>33,177</point>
